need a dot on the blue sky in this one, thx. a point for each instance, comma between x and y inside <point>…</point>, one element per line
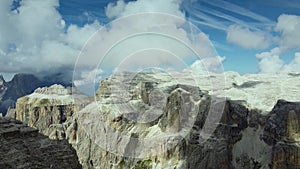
<point>211,17</point>
<point>251,36</point>
<point>255,13</point>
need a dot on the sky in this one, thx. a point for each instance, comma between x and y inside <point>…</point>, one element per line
<point>51,36</point>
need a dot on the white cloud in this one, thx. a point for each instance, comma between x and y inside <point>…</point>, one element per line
<point>208,64</point>
<point>288,26</point>
<point>274,51</point>
<point>164,30</point>
<point>33,37</point>
<point>294,65</point>
<point>89,77</point>
<point>114,10</point>
<point>239,10</point>
<point>270,62</point>
<point>77,36</point>
<point>120,8</point>
<point>246,38</point>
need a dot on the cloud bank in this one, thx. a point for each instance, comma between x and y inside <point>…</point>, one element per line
<point>284,37</point>
<point>288,26</point>
<point>289,39</point>
<point>120,8</point>
<point>146,34</point>
<point>34,38</point>
<point>248,39</point>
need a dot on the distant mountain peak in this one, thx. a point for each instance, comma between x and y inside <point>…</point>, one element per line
<point>2,81</point>
<point>23,84</point>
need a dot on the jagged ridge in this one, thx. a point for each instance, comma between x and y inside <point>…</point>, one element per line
<point>243,137</point>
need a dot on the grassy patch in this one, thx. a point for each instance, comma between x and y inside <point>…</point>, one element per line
<point>146,164</point>
<point>44,101</point>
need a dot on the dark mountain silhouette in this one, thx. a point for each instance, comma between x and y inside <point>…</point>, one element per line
<point>24,84</point>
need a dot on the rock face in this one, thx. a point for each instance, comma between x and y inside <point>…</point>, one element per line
<point>24,84</point>
<point>48,108</point>
<point>282,131</point>
<point>2,81</point>
<point>149,121</point>
<point>23,147</point>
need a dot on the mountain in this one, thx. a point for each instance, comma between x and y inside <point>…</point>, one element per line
<point>23,147</point>
<point>49,107</point>
<point>23,84</point>
<point>1,80</point>
<point>153,120</point>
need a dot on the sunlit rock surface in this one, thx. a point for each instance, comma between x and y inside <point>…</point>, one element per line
<point>48,108</point>
<point>177,120</point>
<point>24,84</point>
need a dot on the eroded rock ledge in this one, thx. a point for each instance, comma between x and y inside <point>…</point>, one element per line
<point>24,147</point>
<point>239,136</point>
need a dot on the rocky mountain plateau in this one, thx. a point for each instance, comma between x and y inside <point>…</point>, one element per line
<point>172,121</point>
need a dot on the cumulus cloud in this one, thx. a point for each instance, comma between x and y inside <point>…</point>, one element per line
<point>270,62</point>
<point>212,63</point>
<point>273,64</point>
<point>274,51</point>
<point>89,77</point>
<point>120,8</point>
<point>146,34</point>
<point>294,65</point>
<point>288,26</point>
<point>34,38</point>
<point>247,38</point>
<point>288,39</point>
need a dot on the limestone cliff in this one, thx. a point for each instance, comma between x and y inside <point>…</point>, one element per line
<point>153,121</point>
<point>23,147</point>
<point>24,84</point>
<point>48,108</point>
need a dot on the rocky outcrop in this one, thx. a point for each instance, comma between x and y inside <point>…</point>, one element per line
<point>48,108</point>
<point>11,113</point>
<point>2,81</point>
<point>147,121</point>
<point>282,131</point>
<point>23,147</point>
<point>283,123</point>
<point>24,84</point>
